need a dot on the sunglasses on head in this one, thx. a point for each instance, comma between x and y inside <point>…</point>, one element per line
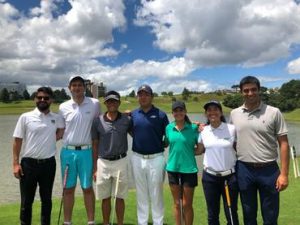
<point>46,98</point>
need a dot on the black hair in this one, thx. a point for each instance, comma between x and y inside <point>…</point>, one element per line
<point>249,80</point>
<point>46,90</point>
<point>187,119</point>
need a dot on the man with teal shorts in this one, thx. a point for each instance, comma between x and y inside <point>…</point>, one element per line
<point>77,154</point>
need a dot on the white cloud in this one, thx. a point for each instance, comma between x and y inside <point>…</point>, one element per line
<point>294,66</point>
<point>56,46</point>
<point>45,46</point>
<point>249,33</point>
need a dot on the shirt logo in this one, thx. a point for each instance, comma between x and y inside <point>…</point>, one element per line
<point>153,116</point>
<point>53,121</point>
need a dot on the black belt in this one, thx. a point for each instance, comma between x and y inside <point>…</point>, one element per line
<point>260,164</point>
<point>116,157</point>
<point>38,161</point>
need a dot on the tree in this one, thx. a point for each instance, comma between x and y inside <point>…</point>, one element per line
<point>132,94</point>
<point>236,87</point>
<point>4,95</point>
<point>185,94</point>
<point>233,101</point>
<point>291,89</point>
<point>170,93</point>
<point>26,95</point>
<point>164,93</point>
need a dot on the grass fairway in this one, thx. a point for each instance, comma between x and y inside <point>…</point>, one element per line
<point>289,209</point>
<point>163,102</point>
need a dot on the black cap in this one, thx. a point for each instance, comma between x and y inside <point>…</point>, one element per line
<point>73,78</point>
<point>145,88</point>
<point>212,102</point>
<point>112,95</point>
<point>178,104</point>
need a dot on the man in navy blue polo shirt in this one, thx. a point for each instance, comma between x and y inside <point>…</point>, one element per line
<point>148,160</point>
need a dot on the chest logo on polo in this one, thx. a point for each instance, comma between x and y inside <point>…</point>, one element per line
<point>153,116</point>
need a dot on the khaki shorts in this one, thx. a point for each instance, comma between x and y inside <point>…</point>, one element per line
<point>107,172</point>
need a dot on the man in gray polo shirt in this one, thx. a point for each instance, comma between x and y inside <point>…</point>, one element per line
<point>261,130</point>
<point>109,134</point>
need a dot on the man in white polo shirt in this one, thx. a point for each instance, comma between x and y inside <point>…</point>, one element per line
<point>79,113</point>
<point>34,143</point>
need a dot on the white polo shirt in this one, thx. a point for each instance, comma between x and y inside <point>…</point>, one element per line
<point>218,143</point>
<point>78,120</point>
<point>38,131</point>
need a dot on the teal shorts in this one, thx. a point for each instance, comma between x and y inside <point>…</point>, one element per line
<point>80,163</point>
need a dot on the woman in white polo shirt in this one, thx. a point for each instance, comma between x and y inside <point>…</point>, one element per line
<point>217,141</point>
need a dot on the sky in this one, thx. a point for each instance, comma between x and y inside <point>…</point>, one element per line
<point>169,44</point>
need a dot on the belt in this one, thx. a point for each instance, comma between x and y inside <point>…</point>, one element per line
<point>38,161</point>
<point>116,157</point>
<point>149,156</point>
<point>259,164</point>
<point>78,147</point>
<point>220,173</point>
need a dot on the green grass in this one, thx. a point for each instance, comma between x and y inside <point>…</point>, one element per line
<point>289,208</point>
<point>163,102</point>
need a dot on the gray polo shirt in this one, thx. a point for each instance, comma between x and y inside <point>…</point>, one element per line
<point>112,135</point>
<point>257,132</point>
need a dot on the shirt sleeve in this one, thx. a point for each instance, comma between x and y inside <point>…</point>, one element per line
<point>19,131</point>
<point>94,130</point>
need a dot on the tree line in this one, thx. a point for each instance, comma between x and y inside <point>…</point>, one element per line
<point>286,98</point>
<point>7,97</point>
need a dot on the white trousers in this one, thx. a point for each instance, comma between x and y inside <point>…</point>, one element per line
<point>149,177</point>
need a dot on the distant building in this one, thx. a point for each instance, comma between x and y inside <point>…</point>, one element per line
<point>96,90</point>
<point>13,87</point>
<point>101,90</point>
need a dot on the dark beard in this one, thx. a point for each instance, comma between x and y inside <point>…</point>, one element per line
<point>42,106</point>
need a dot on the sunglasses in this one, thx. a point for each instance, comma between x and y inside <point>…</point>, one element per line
<point>46,98</point>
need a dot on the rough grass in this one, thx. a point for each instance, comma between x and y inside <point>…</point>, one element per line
<point>163,102</point>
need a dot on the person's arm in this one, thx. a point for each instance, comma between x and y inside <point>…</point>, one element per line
<point>59,133</point>
<point>95,143</point>
<point>199,149</point>
<point>17,169</point>
<point>283,179</point>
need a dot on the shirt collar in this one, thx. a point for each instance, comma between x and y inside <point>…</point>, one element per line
<point>259,108</point>
<point>221,127</point>
<point>83,102</point>
<point>39,113</point>
<point>186,125</point>
<point>151,109</point>
<point>106,119</point>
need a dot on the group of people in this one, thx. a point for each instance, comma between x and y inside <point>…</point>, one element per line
<point>240,156</point>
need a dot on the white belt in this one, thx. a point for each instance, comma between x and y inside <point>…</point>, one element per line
<point>151,156</point>
<point>220,173</point>
<point>78,147</point>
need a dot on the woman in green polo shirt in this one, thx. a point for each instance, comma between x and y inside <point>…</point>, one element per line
<point>182,138</point>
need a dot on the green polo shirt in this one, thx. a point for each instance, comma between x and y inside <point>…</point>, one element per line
<point>181,148</point>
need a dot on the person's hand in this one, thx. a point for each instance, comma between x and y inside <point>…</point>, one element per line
<point>282,182</point>
<point>127,112</point>
<point>17,170</point>
<point>200,125</point>
<point>95,175</point>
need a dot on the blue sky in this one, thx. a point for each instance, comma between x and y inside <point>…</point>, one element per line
<point>169,44</point>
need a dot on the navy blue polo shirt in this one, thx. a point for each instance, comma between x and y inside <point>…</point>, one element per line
<point>148,130</point>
